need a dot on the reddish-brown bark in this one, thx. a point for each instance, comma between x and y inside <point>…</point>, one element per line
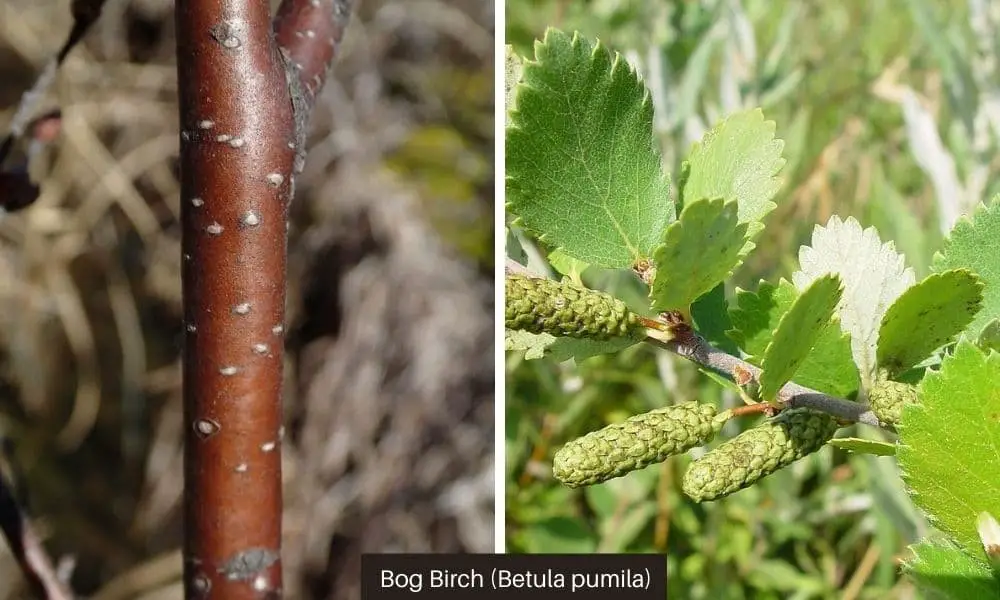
<point>237,149</point>
<point>310,33</point>
<point>242,123</point>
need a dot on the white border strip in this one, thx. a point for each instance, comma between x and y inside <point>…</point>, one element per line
<point>499,397</point>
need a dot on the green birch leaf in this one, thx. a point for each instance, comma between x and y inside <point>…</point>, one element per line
<point>974,244</point>
<point>942,571</point>
<point>583,169</point>
<point>711,317</point>
<point>949,443</point>
<point>699,251</point>
<point>828,368</point>
<point>989,339</point>
<point>755,316</point>
<point>864,446</point>
<point>560,349</point>
<point>682,178</point>
<point>738,159</point>
<point>581,349</point>
<point>566,265</point>
<point>797,333</point>
<point>515,250</point>
<point>533,345</point>
<point>927,316</point>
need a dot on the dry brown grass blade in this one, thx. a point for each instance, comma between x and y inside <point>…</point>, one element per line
<point>128,326</point>
<point>145,578</point>
<point>110,178</point>
<point>81,341</point>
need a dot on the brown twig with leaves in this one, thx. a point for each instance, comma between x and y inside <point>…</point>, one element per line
<point>245,97</point>
<point>679,337</point>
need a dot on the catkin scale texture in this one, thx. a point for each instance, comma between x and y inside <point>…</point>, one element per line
<point>564,309</point>
<point>635,443</point>
<point>757,452</point>
<point>887,399</point>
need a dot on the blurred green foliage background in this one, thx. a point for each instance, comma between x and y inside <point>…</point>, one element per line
<point>890,112</point>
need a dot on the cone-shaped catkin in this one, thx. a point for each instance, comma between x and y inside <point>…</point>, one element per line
<point>565,309</point>
<point>887,399</point>
<point>758,452</point>
<point>635,443</point>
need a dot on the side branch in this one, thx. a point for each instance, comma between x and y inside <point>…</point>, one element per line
<point>27,547</point>
<point>308,34</point>
<point>696,349</point>
<point>681,339</point>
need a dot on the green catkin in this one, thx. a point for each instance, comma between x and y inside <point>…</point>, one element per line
<point>758,452</point>
<point>635,443</point>
<point>887,399</point>
<point>565,309</point>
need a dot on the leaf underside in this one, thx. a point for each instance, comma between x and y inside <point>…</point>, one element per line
<point>873,274</point>
<point>560,349</point>
<point>864,446</point>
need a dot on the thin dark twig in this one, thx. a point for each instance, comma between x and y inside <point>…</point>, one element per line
<point>27,547</point>
<point>85,13</point>
<point>40,573</point>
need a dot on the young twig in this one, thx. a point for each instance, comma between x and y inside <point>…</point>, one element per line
<point>684,341</point>
<point>17,191</point>
<point>792,395</point>
<point>25,544</point>
<point>85,13</point>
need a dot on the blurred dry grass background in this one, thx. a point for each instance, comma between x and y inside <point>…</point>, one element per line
<point>389,395</point>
